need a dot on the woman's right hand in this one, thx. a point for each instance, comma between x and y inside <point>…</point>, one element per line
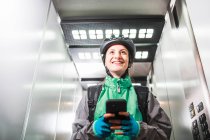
<point>101,127</point>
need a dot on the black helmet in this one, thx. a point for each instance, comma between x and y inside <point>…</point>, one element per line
<point>128,43</point>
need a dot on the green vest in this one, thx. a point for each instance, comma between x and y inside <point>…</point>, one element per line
<point>115,88</point>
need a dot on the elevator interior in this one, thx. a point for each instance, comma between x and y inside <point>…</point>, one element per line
<point>43,79</point>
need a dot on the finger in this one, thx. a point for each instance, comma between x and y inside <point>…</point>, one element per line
<point>115,127</point>
<point>115,121</point>
<point>119,133</point>
<point>125,122</point>
<point>109,115</point>
<point>126,128</point>
<point>126,114</point>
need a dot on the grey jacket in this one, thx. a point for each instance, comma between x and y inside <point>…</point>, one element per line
<point>158,126</point>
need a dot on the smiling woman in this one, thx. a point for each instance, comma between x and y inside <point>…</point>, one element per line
<point>117,58</point>
<point>149,122</point>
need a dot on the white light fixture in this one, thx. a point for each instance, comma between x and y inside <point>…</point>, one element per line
<point>138,55</point>
<point>81,55</point>
<point>108,33</point>
<point>99,34</point>
<point>116,32</point>
<point>75,34</point>
<point>141,55</point>
<point>132,33</point>
<point>83,34</point>
<point>149,35</point>
<point>142,31</point>
<point>96,55</point>
<point>87,55</point>
<point>150,31</point>
<point>144,55</point>
<point>92,34</point>
<point>125,32</point>
<point>84,55</point>
<point>141,35</point>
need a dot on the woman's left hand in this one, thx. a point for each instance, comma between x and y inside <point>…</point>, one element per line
<point>129,126</point>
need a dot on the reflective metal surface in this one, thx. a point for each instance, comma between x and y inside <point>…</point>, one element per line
<point>39,83</point>
<point>178,75</point>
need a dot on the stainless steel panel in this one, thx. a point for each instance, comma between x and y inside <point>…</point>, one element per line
<point>201,26</point>
<point>177,70</point>
<point>21,31</point>
<point>54,87</point>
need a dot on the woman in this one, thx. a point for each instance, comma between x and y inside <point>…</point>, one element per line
<point>118,55</point>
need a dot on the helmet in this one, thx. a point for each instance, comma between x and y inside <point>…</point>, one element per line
<point>128,43</point>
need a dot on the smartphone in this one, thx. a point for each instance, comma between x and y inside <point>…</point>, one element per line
<point>115,106</point>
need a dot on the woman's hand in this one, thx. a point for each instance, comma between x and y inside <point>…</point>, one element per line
<point>101,127</point>
<point>129,126</point>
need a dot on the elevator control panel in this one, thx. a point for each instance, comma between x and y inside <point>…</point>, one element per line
<point>200,126</point>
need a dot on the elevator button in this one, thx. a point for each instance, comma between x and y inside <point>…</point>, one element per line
<point>194,124</point>
<point>192,113</point>
<point>195,131</point>
<point>206,135</point>
<point>202,118</point>
<point>191,107</point>
<point>197,137</point>
<point>200,107</point>
<point>204,126</point>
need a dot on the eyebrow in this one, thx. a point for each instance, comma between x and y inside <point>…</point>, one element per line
<point>119,50</point>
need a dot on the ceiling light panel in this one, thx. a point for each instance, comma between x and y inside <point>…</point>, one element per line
<point>93,31</point>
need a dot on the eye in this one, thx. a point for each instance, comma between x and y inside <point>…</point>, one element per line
<point>111,52</point>
<point>123,52</point>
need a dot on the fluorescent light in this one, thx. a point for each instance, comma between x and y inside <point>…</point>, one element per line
<point>138,55</point>
<point>132,36</point>
<point>125,31</point>
<point>100,36</point>
<point>133,31</point>
<point>81,55</point>
<point>141,35</point>
<point>141,55</point>
<point>76,36</point>
<point>87,55</point>
<point>109,31</point>
<point>150,31</point>
<point>149,35</point>
<point>96,55</point>
<point>142,31</point>
<point>144,54</point>
<point>82,32</point>
<point>75,32</point>
<point>84,55</point>
<point>83,36</point>
<point>116,32</point>
<point>99,32</point>
<point>92,36</point>
<point>92,32</point>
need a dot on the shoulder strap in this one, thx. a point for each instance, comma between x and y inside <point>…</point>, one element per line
<point>93,94</point>
<point>94,91</point>
<point>142,95</point>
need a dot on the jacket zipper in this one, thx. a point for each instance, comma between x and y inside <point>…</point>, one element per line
<point>118,87</point>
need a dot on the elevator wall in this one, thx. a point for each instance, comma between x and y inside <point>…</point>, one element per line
<point>39,86</point>
<point>178,75</point>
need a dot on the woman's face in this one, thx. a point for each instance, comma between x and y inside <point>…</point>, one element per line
<point>116,60</point>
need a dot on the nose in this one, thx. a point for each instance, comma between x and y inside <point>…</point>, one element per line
<point>117,55</point>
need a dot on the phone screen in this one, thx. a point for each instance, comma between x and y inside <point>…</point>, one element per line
<point>115,106</point>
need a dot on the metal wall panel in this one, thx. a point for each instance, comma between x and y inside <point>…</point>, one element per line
<point>182,75</point>
<point>55,87</point>
<point>21,32</point>
<point>200,20</point>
